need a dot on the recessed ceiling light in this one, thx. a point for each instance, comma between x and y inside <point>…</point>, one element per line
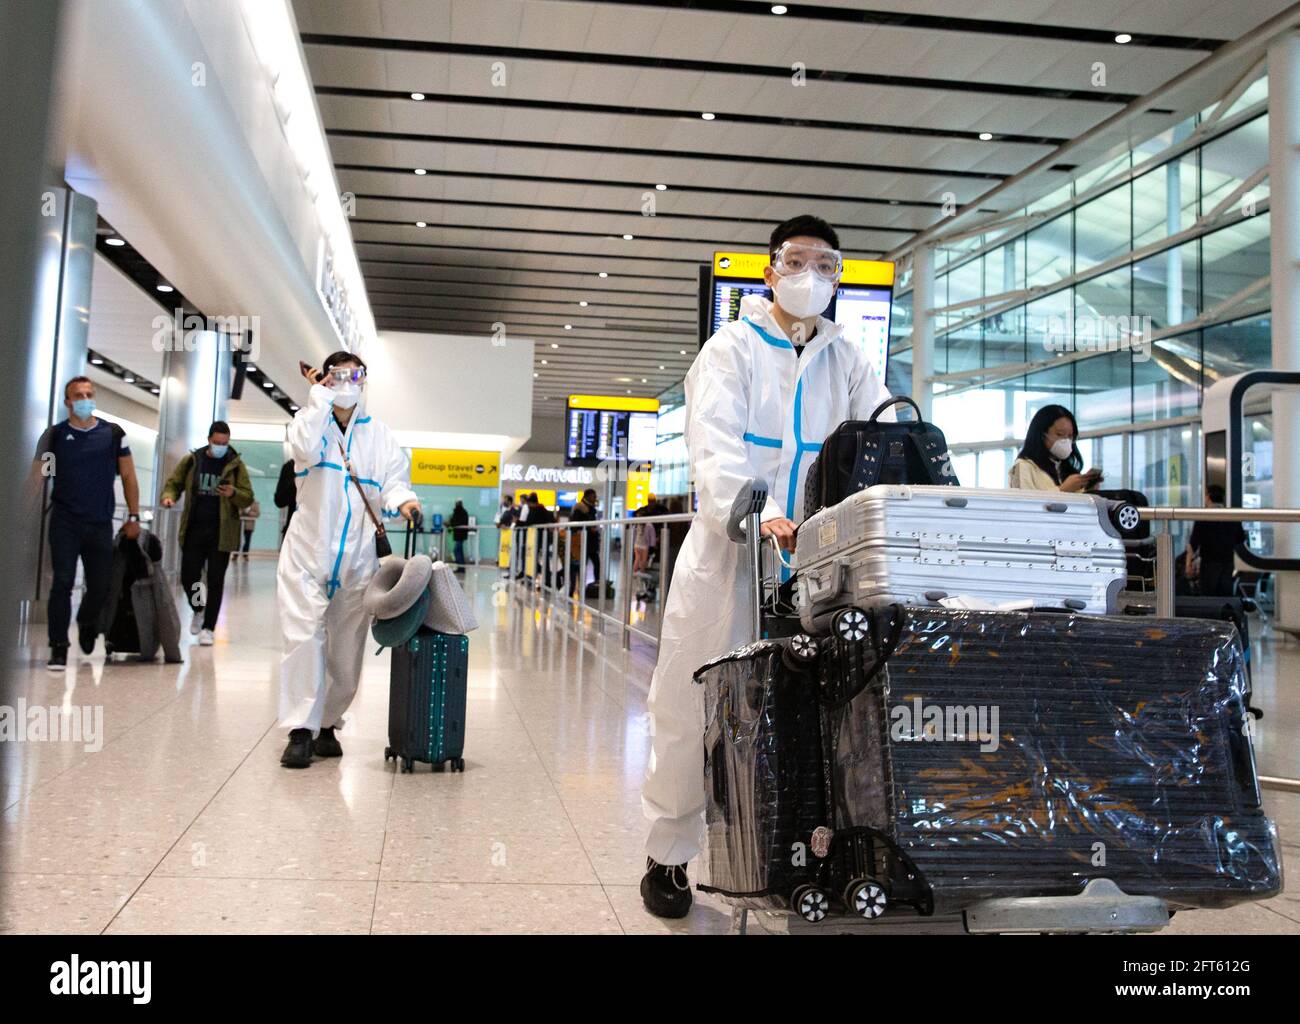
<point>603,274</point>
<point>1123,37</point>
<point>554,345</point>
<point>623,380</point>
<point>421,224</point>
<point>156,391</point>
<point>568,327</point>
<point>708,116</point>
<point>129,379</point>
<point>114,241</point>
<point>545,363</point>
<point>97,361</point>
<point>985,136</point>
<point>662,188</point>
<point>417,95</point>
<point>779,8</point>
<point>267,384</point>
<point>643,380</point>
<point>627,238</point>
<point>421,170</point>
<point>683,352</point>
<point>294,408</point>
<point>662,367</point>
<point>536,375</point>
<point>165,288</point>
<point>629,391</point>
<point>583,302</point>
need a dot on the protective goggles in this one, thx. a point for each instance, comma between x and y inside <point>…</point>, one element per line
<point>792,258</point>
<point>346,375</point>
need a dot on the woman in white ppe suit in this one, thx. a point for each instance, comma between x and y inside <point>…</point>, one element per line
<point>756,406</point>
<point>329,555</point>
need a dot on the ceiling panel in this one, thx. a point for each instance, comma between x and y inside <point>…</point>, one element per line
<point>532,179</point>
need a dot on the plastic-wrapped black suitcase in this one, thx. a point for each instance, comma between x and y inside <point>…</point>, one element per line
<point>1013,755</point>
<point>428,680</point>
<point>763,772</point>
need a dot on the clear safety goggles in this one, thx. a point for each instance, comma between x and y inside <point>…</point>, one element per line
<point>793,258</point>
<point>346,375</point>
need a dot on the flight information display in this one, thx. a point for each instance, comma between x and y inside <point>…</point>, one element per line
<point>863,312</point>
<point>727,294</point>
<point>596,435</point>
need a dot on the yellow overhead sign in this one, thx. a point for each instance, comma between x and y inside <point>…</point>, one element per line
<point>750,265</point>
<point>454,468</point>
<point>614,403</point>
<point>739,264</point>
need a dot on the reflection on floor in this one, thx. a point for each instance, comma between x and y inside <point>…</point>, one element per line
<point>184,821</point>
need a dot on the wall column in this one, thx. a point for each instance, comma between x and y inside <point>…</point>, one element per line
<point>923,327</point>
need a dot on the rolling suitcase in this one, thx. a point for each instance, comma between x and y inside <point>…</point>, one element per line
<point>1013,755</point>
<point>917,545</point>
<point>763,774</point>
<point>426,701</point>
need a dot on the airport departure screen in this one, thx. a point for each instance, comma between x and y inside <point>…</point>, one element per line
<point>864,314</point>
<point>727,294</point>
<point>594,435</point>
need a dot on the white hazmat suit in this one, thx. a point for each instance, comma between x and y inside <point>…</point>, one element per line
<point>753,409</point>
<point>328,556</point>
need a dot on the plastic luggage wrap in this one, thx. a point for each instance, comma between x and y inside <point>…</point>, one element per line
<point>762,775</point>
<point>1014,754</point>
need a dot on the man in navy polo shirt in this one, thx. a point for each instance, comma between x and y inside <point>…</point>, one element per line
<point>83,455</point>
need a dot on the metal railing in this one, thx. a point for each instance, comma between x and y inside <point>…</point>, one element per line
<point>1165,555</point>
<point>549,562</point>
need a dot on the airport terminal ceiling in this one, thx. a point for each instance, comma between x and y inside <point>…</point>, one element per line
<point>505,157</point>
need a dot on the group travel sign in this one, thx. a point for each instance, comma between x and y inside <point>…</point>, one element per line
<point>454,468</point>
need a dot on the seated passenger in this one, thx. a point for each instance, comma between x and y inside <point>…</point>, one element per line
<point>1050,459</point>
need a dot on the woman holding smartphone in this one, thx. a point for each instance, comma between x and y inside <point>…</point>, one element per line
<point>1050,459</point>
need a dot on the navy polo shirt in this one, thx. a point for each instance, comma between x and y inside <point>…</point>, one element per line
<point>85,463</point>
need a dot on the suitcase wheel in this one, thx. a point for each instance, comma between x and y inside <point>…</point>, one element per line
<point>388,754</point>
<point>866,897</point>
<point>1126,518</point>
<point>811,903</point>
<point>852,625</point>
<point>458,765</point>
<point>800,652</point>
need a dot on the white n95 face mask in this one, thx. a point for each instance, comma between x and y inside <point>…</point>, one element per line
<point>1062,448</point>
<point>346,395</point>
<point>805,294</point>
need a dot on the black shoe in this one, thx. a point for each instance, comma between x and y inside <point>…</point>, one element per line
<point>86,639</point>
<point>325,745</point>
<point>665,890</point>
<point>298,753</point>
<point>58,658</point>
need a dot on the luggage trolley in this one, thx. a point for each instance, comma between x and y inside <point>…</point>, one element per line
<point>860,870</point>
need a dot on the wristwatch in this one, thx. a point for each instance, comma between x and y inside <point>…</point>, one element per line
<point>133,518</point>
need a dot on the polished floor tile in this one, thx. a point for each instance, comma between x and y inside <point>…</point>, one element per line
<point>182,821</point>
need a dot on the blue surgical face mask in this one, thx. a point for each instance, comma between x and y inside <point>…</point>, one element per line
<point>82,408</point>
<point>218,450</point>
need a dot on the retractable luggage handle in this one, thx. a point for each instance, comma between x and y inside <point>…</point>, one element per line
<point>744,526</point>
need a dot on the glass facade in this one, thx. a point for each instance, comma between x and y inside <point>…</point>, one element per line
<point>1083,305</point>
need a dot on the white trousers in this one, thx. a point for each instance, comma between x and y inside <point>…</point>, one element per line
<point>706,615</point>
<point>324,642</point>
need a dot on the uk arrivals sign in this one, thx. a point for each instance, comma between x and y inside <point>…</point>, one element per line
<point>455,468</point>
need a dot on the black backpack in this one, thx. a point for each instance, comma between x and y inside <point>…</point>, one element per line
<point>862,453</point>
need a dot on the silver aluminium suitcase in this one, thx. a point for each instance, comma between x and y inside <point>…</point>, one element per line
<point>919,544</point>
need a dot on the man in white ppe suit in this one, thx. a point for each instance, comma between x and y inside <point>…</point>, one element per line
<point>329,554</point>
<point>762,395</point>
